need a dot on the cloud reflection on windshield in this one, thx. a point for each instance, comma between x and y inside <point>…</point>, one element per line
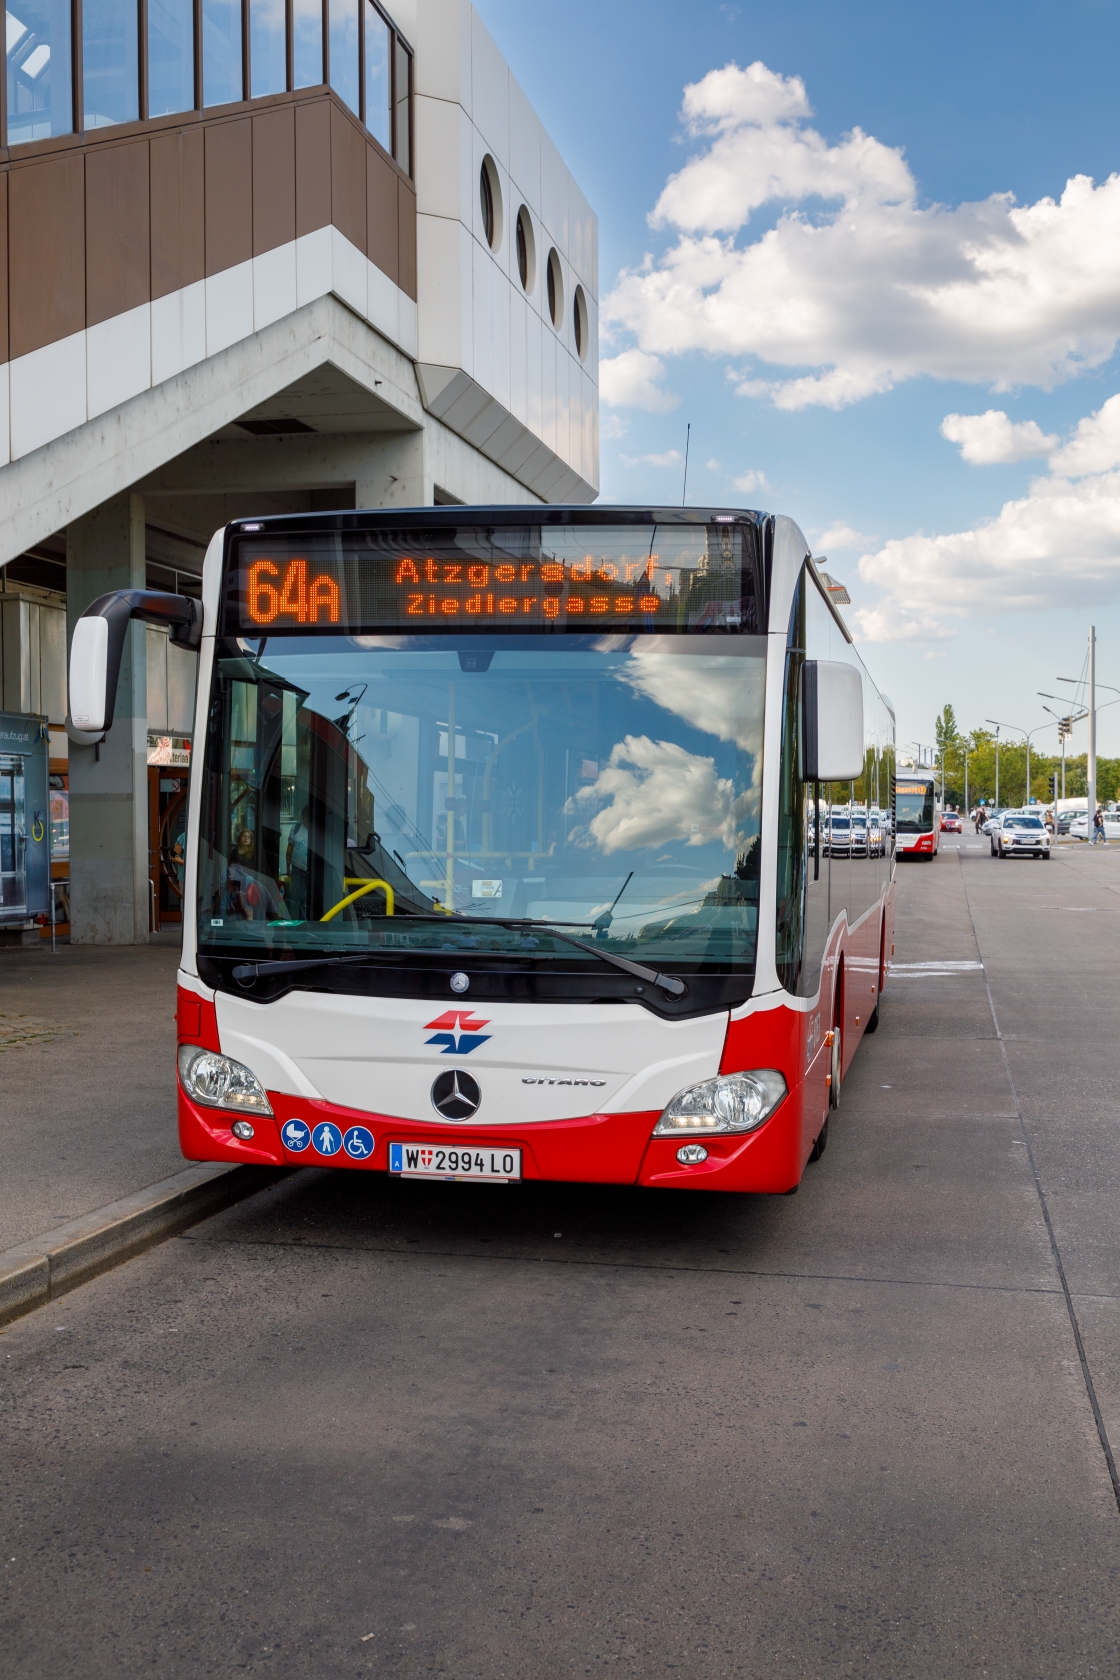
<point>651,792</point>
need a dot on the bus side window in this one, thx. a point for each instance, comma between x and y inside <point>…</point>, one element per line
<point>793,827</point>
<point>818,875</point>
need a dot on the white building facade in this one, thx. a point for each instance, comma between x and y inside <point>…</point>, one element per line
<point>310,259</point>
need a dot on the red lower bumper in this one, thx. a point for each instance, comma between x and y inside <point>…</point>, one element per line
<point>598,1149</point>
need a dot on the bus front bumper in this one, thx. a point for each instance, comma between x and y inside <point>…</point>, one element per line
<point>596,1149</point>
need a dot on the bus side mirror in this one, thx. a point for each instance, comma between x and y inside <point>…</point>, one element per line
<point>89,675</point>
<point>97,647</point>
<point>831,721</point>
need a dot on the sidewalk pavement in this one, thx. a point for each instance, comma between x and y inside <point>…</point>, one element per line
<point>87,1081</point>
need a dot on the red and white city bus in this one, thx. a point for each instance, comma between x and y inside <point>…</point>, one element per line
<point>917,814</point>
<point>502,851</point>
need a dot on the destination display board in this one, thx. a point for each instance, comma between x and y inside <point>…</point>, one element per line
<point>686,579</point>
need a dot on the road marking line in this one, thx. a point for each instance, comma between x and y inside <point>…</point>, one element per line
<point>949,966</point>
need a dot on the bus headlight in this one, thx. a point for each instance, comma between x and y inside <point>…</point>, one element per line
<point>218,1082</point>
<point>732,1102</point>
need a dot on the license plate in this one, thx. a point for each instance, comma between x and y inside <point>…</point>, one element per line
<point>453,1161</point>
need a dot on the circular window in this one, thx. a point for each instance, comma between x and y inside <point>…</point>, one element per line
<point>579,323</point>
<point>526,250</point>
<point>555,288</point>
<point>490,199</point>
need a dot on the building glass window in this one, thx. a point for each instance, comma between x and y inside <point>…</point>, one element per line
<point>379,91</point>
<point>110,62</point>
<point>307,43</point>
<point>221,52</point>
<point>268,47</point>
<point>344,51</point>
<point>402,135</point>
<point>39,96</point>
<point>170,56</point>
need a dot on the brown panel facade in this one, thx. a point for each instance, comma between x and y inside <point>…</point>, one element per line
<point>348,179</point>
<point>178,210</point>
<point>3,267</point>
<point>381,212</point>
<point>47,245</point>
<point>274,179</point>
<point>118,235</point>
<point>313,166</point>
<point>229,194</point>
<point>406,238</point>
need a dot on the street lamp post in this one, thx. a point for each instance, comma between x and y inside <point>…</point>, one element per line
<point>992,720</point>
<point>1027,737</point>
<point>1091,714</point>
<point>1091,756</point>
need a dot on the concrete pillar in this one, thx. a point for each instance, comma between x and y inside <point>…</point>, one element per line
<point>109,785</point>
<point>392,472</point>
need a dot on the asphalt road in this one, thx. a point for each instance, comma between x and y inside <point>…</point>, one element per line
<point>358,1427</point>
<point>87,1080</point>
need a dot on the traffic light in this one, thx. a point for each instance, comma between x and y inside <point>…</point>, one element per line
<point>1065,728</point>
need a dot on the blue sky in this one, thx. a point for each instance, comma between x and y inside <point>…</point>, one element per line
<point>842,289</point>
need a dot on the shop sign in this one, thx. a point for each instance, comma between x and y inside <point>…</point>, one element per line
<point>172,750</point>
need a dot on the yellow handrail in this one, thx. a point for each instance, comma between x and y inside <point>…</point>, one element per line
<point>364,887</point>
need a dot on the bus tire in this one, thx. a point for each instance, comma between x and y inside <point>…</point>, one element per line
<point>820,1143</point>
<point>834,1069</point>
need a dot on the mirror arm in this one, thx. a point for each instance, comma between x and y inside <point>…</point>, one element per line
<point>180,613</point>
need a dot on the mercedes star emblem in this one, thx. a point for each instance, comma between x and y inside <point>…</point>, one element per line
<point>460,981</point>
<point>456,1095</point>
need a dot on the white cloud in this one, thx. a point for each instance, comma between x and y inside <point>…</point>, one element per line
<point>892,621</point>
<point>671,458</point>
<point>633,380</point>
<point>713,465</point>
<point>875,288</point>
<point>613,426</point>
<point>1057,546</point>
<point>840,536</point>
<point>991,437</point>
<point>1095,446</point>
<point>748,482</point>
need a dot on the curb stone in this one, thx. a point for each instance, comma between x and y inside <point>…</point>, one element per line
<point>37,1271</point>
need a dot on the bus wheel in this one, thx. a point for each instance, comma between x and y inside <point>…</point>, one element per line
<point>820,1143</point>
<point>837,1064</point>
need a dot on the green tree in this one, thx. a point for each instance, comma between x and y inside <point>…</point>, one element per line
<point>945,730</point>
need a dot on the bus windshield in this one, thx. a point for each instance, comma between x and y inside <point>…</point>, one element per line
<point>397,793</point>
<point>914,809</point>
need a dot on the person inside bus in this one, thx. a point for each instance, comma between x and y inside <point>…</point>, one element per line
<point>249,895</point>
<point>297,866</point>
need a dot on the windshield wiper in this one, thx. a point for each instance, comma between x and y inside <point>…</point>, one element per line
<point>667,982</point>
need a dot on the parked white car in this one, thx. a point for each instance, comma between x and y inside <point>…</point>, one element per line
<point>1079,827</point>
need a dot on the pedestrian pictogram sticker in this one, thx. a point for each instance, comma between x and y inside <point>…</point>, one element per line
<point>327,1138</point>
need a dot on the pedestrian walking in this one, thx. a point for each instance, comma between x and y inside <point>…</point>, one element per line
<point>1098,827</point>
